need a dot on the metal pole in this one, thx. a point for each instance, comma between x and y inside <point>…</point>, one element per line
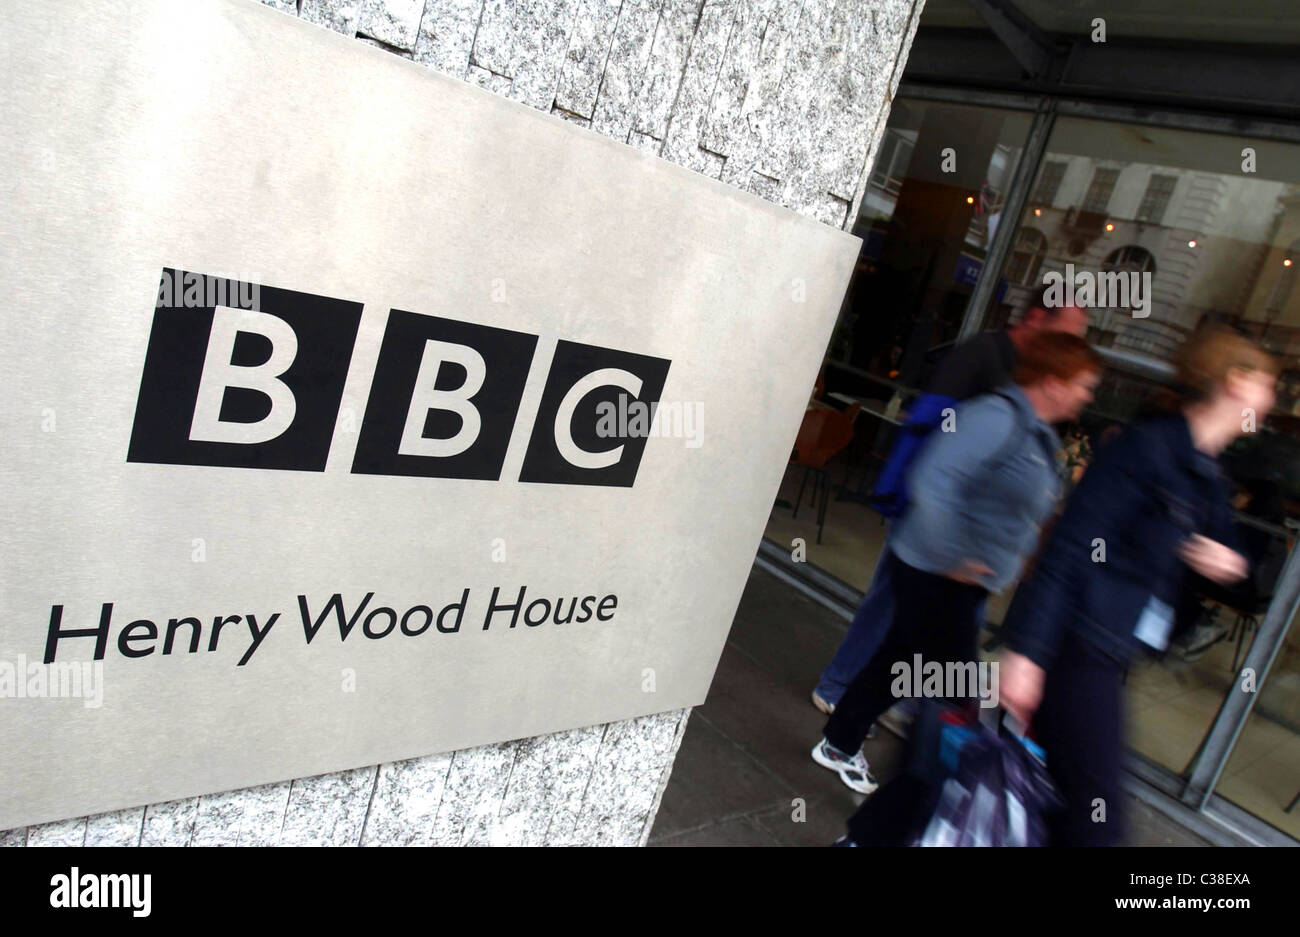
<point>1218,744</point>
<point>1017,197</point>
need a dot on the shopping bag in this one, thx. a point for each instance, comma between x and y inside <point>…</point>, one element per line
<point>999,794</point>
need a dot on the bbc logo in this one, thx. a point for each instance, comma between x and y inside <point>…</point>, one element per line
<point>259,385</point>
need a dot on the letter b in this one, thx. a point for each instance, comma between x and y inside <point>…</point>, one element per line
<point>220,373</point>
<point>444,398</point>
<point>248,388</point>
<point>427,397</point>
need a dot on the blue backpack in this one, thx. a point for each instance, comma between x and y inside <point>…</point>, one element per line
<point>889,495</point>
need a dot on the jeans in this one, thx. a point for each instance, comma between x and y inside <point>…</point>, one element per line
<point>867,630</point>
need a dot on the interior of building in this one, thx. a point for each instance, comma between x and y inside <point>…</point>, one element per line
<point>1043,136</point>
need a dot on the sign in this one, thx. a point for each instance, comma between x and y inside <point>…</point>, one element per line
<point>354,413</point>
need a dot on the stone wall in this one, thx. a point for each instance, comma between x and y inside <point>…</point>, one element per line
<point>783,99</point>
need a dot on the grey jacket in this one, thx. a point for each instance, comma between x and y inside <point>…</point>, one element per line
<point>982,490</point>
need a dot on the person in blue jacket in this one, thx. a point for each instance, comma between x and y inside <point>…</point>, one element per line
<point>980,495</point>
<point>974,367</point>
<point>1152,508</point>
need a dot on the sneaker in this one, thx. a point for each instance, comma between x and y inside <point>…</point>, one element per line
<point>852,769</point>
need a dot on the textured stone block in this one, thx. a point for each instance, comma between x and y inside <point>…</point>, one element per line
<point>471,801</point>
<point>526,41</point>
<point>120,828</point>
<point>169,824</point>
<point>625,69</point>
<point>328,809</point>
<point>703,62</point>
<point>666,67</point>
<point>548,782</point>
<point>392,22</point>
<point>497,84</point>
<point>616,810</point>
<point>59,833</point>
<point>404,809</point>
<point>590,39</point>
<point>249,817</point>
<point>446,35</point>
<point>339,15</point>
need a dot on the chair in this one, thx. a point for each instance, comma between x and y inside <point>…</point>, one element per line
<point>1250,600</point>
<point>1247,620</point>
<point>822,435</point>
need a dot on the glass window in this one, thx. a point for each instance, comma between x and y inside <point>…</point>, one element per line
<point>1285,282</point>
<point>931,207</point>
<point>895,153</point>
<point>1262,775</point>
<point>1049,183</point>
<point>1027,256</point>
<point>1159,190</point>
<point>1226,245</point>
<point>932,204</point>
<point>1206,241</point>
<point>1103,184</point>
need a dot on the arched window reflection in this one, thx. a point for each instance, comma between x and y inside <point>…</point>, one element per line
<point>1118,327</point>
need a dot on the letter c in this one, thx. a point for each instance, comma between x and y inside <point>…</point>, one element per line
<point>570,450</point>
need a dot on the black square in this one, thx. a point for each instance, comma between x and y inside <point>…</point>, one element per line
<point>325,331</point>
<point>500,359</point>
<point>575,362</point>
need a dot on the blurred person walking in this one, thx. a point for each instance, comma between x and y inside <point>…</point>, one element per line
<point>979,495</point>
<point>1156,502</point>
<point>974,367</point>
